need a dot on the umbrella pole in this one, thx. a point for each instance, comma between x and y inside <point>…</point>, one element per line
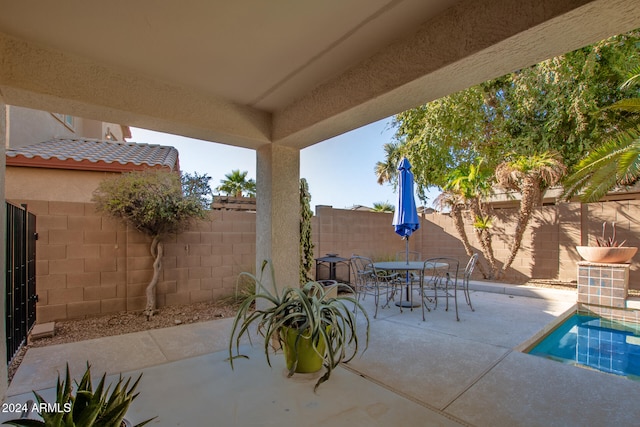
<point>407,276</point>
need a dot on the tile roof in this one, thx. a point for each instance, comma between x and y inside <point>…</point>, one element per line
<point>93,154</point>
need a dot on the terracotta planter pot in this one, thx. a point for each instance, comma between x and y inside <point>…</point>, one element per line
<point>606,255</point>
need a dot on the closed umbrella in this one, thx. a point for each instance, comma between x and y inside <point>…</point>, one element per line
<point>405,218</point>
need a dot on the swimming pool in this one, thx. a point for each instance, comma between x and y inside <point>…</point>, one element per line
<point>596,343</point>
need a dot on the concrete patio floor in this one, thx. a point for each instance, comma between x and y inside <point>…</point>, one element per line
<point>439,372</point>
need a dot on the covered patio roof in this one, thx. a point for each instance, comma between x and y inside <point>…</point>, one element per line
<point>274,76</point>
<point>293,73</point>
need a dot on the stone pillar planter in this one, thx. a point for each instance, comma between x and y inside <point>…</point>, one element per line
<point>603,284</point>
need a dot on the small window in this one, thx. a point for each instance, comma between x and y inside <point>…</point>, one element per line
<point>66,120</point>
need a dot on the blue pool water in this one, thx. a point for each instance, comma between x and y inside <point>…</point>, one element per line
<point>596,343</point>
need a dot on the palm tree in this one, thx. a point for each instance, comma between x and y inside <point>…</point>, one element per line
<point>236,183</point>
<point>472,183</point>
<point>388,170</point>
<point>530,175</point>
<point>383,207</point>
<point>456,204</point>
<point>617,161</point>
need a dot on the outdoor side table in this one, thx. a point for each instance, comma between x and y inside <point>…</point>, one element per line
<point>333,267</point>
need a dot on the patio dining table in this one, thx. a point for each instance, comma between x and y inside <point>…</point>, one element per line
<point>407,266</point>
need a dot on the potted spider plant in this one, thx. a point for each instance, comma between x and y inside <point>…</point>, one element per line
<point>314,329</point>
<point>608,249</point>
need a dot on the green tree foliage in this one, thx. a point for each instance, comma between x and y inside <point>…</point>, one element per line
<point>153,203</point>
<point>306,243</point>
<point>236,184</point>
<point>552,107</point>
<point>616,162</point>
<point>555,105</point>
<point>467,187</point>
<point>197,186</point>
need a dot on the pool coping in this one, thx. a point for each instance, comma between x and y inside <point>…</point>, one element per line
<point>528,344</point>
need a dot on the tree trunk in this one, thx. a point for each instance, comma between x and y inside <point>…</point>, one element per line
<point>530,195</point>
<point>458,221</point>
<point>484,237</point>
<point>157,249</point>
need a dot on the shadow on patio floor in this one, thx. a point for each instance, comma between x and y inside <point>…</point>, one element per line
<point>438,372</point>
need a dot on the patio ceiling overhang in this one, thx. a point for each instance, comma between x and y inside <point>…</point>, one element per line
<point>275,76</point>
<point>290,72</point>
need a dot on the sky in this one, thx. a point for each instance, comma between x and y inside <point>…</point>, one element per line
<point>340,170</point>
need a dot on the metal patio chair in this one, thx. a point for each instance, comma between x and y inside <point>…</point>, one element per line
<point>471,265</point>
<point>370,281</point>
<point>439,278</point>
<point>409,256</point>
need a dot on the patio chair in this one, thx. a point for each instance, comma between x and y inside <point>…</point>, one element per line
<point>471,265</point>
<point>413,256</point>
<point>439,278</point>
<point>370,281</point>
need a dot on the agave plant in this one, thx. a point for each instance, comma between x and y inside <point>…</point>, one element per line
<point>609,242</point>
<point>88,408</point>
<point>328,322</point>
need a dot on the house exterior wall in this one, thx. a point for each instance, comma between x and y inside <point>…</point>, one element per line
<point>52,184</point>
<point>88,264</point>
<point>27,126</point>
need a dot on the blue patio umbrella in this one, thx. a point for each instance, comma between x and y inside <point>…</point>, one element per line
<point>405,218</point>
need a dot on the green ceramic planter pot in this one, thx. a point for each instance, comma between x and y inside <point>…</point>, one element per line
<point>308,359</point>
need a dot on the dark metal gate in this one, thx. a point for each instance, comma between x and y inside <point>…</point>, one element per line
<point>21,276</point>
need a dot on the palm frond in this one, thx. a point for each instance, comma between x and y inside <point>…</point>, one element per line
<point>631,105</point>
<point>613,163</point>
<point>633,80</point>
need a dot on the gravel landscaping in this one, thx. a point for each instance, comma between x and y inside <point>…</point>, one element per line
<point>67,331</point>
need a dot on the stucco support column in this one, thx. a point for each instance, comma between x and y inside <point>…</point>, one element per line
<point>278,212</point>
<point>3,248</point>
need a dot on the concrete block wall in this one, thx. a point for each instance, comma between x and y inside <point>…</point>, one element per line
<point>626,215</point>
<point>439,238</point>
<point>548,246</point>
<point>88,264</point>
<point>348,232</point>
<point>371,234</point>
<point>570,235</point>
<point>539,249</point>
<point>78,256</point>
<point>203,263</point>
